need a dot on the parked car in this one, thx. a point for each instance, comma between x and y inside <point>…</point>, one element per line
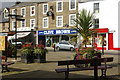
<point>64,45</point>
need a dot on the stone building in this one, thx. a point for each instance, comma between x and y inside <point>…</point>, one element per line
<point>50,20</point>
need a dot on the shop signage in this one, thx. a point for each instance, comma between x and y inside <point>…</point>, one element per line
<point>57,32</point>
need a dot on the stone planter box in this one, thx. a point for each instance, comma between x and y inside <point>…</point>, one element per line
<point>27,58</point>
<point>40,58</point>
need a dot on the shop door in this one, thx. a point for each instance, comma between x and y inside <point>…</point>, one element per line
<point>41,39</point>
<point>110,41</point>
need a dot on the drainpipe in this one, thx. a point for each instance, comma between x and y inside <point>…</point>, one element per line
<point>37,26</point>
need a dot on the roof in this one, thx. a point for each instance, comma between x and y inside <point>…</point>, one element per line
<point>2,19</point>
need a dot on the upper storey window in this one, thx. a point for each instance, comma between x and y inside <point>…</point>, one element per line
<point>45,8</point>
<point>72,4</point>
<point>23,11</point>
<point>96,7</point>
<point>59,6</point>
<point>32,10</point>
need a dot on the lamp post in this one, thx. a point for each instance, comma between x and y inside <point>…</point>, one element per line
<point>17,18</point>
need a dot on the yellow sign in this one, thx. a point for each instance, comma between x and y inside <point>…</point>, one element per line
<point>2,43</point>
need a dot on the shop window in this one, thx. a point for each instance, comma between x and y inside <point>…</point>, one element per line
<point>45,8</point>
<point>96,7</point>
<point>32,23</point>
<point>72,17</point>
<point>72,4</point>
<point>101,38</point>
<point>32,10</point>
<point>59,21</point>
<point>23,11</point>
<point>65,37</point>
<point>59,6</point>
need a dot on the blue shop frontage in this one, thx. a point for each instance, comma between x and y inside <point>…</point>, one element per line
<point>48,37</point>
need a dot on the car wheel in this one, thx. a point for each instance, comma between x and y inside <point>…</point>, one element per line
<point>57,48</point>
<point>71,49</point>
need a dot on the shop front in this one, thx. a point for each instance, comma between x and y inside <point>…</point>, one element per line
<point>48,37</point>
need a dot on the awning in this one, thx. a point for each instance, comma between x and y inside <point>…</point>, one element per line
<point>19,35</point>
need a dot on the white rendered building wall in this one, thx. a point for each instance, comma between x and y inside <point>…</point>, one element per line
<point>108,15</point>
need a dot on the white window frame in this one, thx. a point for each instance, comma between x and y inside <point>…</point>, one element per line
<point>31,11</point>
<point>24,23</point>
<point>13,11</point>
<point>47,22</point>
<point>43,9</point>
<point>70,19</point>
<point>24,11</point>
<point>57,6</point>
<point>70,5</point>
<point>30,23</point>
<point>57,21</point>
<point>13,28</point>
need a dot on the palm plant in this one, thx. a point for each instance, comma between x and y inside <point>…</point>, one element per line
<point>84,23</point>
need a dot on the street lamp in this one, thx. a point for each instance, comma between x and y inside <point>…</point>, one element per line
<point>17,18</point>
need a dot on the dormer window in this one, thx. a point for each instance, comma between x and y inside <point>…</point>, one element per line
<point>6,12</point>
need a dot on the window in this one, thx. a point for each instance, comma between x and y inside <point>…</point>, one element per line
<point>13,25</point>
<point>71,19</point>
<point>3,26</point>
<point>23,11</point>
<point>59,7</point>
<point>45,8</point>
<point>96,23</point>
<point>96,7</point>
<point>59,21</point>
<point>72,4</point>
<point>32,23</point>
<point>32,10</point>
<point>45,22</point>
<point>23,23</point>
<point>14,11</point>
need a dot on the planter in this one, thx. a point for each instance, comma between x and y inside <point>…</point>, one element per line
<point>40,58</point>
<point>87,65</point>
<point>27,58</point>
<point>99,56</point>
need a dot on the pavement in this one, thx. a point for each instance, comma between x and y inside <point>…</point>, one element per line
<point>40,71</point>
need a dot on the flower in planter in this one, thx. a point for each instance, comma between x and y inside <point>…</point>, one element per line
<point>27,48</point>
<point>86,53</point>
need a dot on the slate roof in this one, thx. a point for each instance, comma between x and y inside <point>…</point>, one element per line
<point>2,19</point>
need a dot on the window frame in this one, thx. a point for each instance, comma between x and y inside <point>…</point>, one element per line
<point>95,8</point>
<point>57,6</point>
<point>24,24</point>
<point>46,10</point>
<point>31,11</point>
<point>57,21</point>
<point>47,22</point>
<point>31,24</point>
<point>13,28</point>
<point>70,19</point>
<point>70,5</point>
<point>24,11</point>
<point>13,11</point>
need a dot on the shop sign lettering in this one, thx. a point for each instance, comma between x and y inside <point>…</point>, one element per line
<point>56,32</point>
